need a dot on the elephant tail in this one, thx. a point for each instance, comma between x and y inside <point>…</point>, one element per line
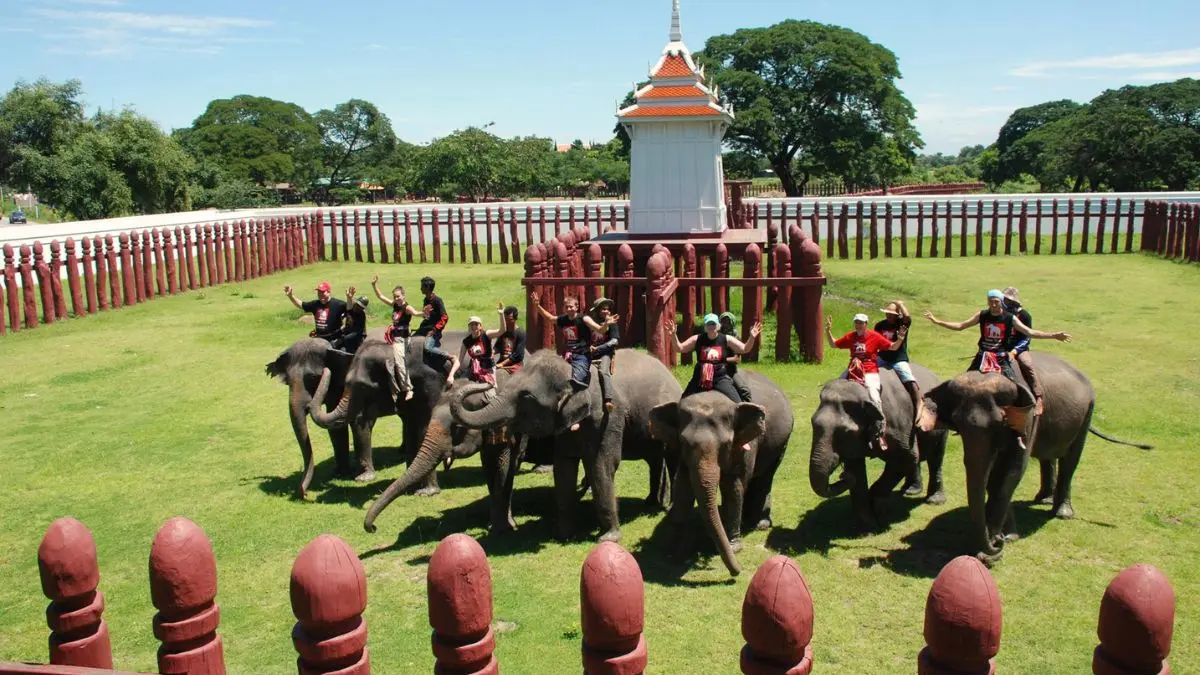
<point>1111,439</point>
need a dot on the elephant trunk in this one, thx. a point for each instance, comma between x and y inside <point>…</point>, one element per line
<point>334,419</point>
<point>499,411</point>
<point>434,448</point>
<point>705,478</point>
<point>822,463</point>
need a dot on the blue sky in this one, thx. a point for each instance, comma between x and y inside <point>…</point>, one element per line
<point>558,68</point>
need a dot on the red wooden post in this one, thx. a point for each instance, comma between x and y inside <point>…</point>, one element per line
<point>874,229</point>
<point>612,608</point>
<point>333,233</point>
<point>1116,228</point>
<point>183,588</point>
<point>777,621</point>
<point>1023,226</point>
<point>459,590</point>
<point>147,267</point>
<point>89,274</point>
<point>70,574</point>
<point>948,241</point>
<point>859,226</point>
<point>462,238</point>
<point>689,296</point>
<point>227,250</point>
<point>358,240</point>
<point>169,257</point>
<point>1054,227</point>
<point>752,299</point>
<point>514,241</point>
<point>395,236</point>
<point>612,217</point>
<point>328,590</point>
<point>252,249</point>
<point>783,315</point>
<point>843,241</point>
<point>1037,226</point>
<point>920,228</point>
<point>903,230</point>
<point>345,237</point>
<point>408,240</point>
<point>218,252</point>
<point>626,297</point>
<point>595,269</point>
<point>829,229</point>
<point>808,310</point>
<point>12,301</point>
<point>542,222</point>
<point>437,236</point>
<point>720,270</point>
<point>210,254</point>
<point>1137,621</point>
<point>138,291</point>
<point>993,246</point>
<point>962,621</point>
<point>239,261</point>
<point>44,284</point>
<point>962,230</point>
<point>28,297</point>
<point>535,267</point>
<point>979,227</point>
<point>102,272</point>
<point>1100,225</point>
<point>772,242</point>
<point>657,274</point>
<point>557,220</point>
<point>1070,224</point>
<point>160,264</point>
<point>202,278</point>
<point>382,234</point>
<point>450,234</point>
<point>934,230</point>
<point>528,230</point>
<point>72,264</point>
<point>1129,226</point>
<point>365,234</point>
<point>115,274</point>
<point>502,236</point>
<point>1087,218</point>
<point>184,235</point>
<point>475,239</point>
<point>487,229</point>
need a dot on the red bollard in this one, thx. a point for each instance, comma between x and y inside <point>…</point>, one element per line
<point>12,301</point>
<point>160,262</point>
<point>129,294</point>
<point>147,265</point>
<point>613,608</point>
<point>1137,620</point>
<point>783,313</point>
<point>28,296</point>
<point>459,587</point>
<point>73,280</point>
<point>169,239</point>
<point>70,574</point>
<point>45,285</point>
<point>55,267</point>
<point>962,621</point>
<point>329,595</point>
<point>777,620</point>
<point>183,587</point>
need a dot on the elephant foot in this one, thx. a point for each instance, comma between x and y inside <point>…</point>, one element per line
<point>764,524</point>
<point>936,499</point>
<point>866,525</point>
<point>428,491</point>
<point>989,559</point>
<point>1064,511</point>
<point>613,535</point>
<point>543,468</point>
<point>736,545</point>
<point>504,526</point>
<point>1044,497</point>
<point>365,477</point>
<point>913,488</point>
<point>344,472</point>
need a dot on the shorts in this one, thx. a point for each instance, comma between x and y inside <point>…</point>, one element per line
<point>900,368</point>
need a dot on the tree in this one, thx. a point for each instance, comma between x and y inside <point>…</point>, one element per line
<point>812,96</point>
<point>257,139</point>
<point>465,162</point>
<point>1024,121</point>
<point>155,168</point>
<point>742,165</point>
<point>356,138</point>
<point>37,120</point>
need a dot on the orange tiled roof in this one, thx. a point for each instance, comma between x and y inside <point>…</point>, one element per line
<point>673,111</point>
<point>690,91</point>
<point>673,66</point>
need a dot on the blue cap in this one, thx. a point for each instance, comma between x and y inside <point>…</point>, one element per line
<point>995,294</point>
<point>711,318</point>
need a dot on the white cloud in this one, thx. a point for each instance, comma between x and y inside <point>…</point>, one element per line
<point>946,127</point>
<point>100,3</point>
<point>1128,61</point>
<point>106,33</point>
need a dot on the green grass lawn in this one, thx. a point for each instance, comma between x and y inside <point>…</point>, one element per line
<point>126,419</point>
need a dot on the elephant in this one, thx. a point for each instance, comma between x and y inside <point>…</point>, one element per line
<point>840,426</point>
<point>539,402</point>
<point>366,396</point>
<point>300,367</point>
<point>985,410</point>
<point>444,442</point>
<point>708,430</point>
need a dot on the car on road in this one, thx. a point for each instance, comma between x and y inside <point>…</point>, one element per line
<point>16,217</point>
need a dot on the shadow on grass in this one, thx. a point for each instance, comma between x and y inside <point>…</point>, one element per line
<point>833,519</point>
<point>671,552</point>
<point>531,535</point>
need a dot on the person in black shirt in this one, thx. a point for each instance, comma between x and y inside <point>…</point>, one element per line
<point>728,327</point>
<point>712,348</point>
<point>354,329</point>
<point>476,352</point>
<point>508,340</point>
<point>1018,346</point>
<point>576,329</point>
<point>397,336</point>
<point>327,311</point>
<point>434,313</point>
<point>604,346</point>
<point>896,316</point>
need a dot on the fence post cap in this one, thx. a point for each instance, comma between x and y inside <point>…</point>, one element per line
<point>962,616</point>
<point>1137,616</point>
<point>67,560</point>
<point>183,570</point>
<point>777,613</point>
<point>328,584</point>
<point>459,587</point>
<point>613,597</point>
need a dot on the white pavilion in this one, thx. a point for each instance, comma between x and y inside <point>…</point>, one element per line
<point>676,126</point>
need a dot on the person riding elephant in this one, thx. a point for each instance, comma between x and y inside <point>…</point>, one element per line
<point>603,345</point>
<point>975,404</point>
<point>328,312</point>
<point>1018,346</point>
<point>540,401</point>
<point>843,430</point>
<point>710,432</point>
<point>354,327</point>
<point>713,349</point>
<point>864,344</point>
<point>398,336</point>
<point>729,327</point>
<point>509,339</point>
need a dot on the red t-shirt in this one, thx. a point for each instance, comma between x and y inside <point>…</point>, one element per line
<point>864,348</point>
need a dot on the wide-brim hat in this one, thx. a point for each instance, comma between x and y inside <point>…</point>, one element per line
<point>1012,294</point>
<point>474,319</point>
<point>602,302</point>
<point>730,316</point>
<point>361,301</point>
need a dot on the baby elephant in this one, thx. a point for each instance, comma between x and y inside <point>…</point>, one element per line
<point>708,432</point>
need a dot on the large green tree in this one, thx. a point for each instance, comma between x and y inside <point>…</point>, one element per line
<point>37,120</point>
<point>813,98</point>
<point>357,139</point>
<point>256,138</point>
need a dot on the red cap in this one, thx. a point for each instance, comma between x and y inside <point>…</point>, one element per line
<point>324,286</point>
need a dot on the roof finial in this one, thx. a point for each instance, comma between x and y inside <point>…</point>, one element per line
<point>676,33</point>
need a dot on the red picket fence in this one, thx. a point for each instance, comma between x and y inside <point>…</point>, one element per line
<point>107,273</point>
<point>647,303</point>
<point>1172,230</point>
<point>962,628</point>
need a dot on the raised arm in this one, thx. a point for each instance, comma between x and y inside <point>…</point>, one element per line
<point>375,287</point>
<point>829,333</point>
<point>495,332</point>
<point>684,347</point>
<point>537,304</point>
<point>903,310</point>
<point>591,323</point>
<point>287,290</point>
<point>961,325</point>
<point>1026,330</point>
<point>743,347</point>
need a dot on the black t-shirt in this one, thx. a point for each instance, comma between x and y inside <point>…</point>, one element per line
<point>1016,338</point>
<point>575,333</point>
<point>891,331</point>
<point>714,351</point>
<point>401,319</point>
<point>328,317</point>
<point>994,331</point>
<point>511,345</point>
<point>605,341</point>
<point>437,319</point>
<point>479,349</point>
<point>356,322</point>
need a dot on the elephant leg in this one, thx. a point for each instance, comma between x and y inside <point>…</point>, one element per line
<point>1006,475</point>
<point>340,440</point>
<point>657,499</point>
<point>914,485</point>
<point>1045,493</point>
<point>604,494</point>
<point>498,461</point>
<point>733,493</point>
<point>979,467</point>
<point>860,495</point>
<point>934,453</point>
<point>683,499</point>
<point>1066,472</point>
<point>363,452</point>
<point>756,507</point>
<point>298,412</point>
<point>566,472</point>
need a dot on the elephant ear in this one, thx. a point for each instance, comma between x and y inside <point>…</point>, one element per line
<point>337,360</point>
<point>749,422</point>
<point>938,409</point>
<point>664,422</point>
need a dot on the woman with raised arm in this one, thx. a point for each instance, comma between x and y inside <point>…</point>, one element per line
<point>712,348</point>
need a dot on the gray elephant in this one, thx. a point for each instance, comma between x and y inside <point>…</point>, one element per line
<point>840,435</point>
<point>300,367</point>
<point>445,442</point>
<point>708,430</point>
<point>539,402</point>
<point>986,410</point>
<point>366,396</point>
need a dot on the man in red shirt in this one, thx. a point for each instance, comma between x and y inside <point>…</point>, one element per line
<point>864,344</point>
